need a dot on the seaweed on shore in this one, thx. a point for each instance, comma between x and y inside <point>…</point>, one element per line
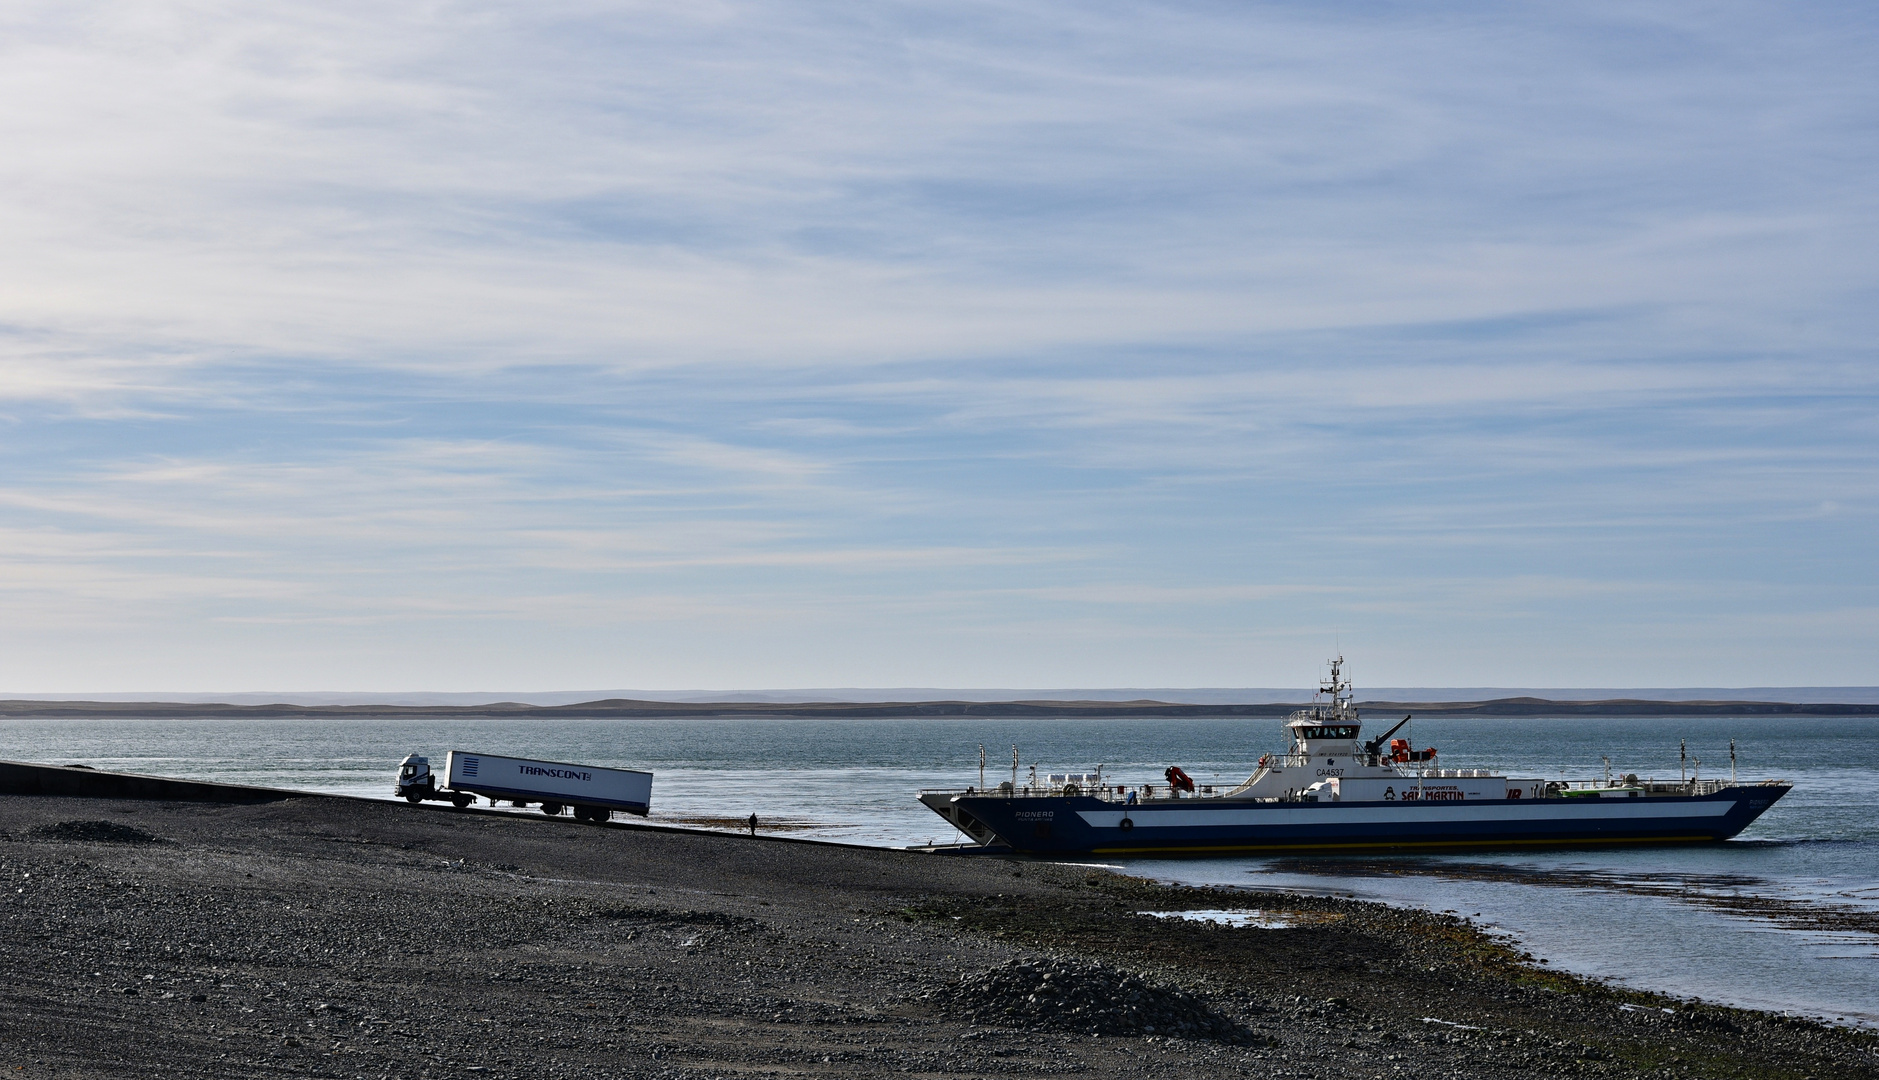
<point>1726,893</point>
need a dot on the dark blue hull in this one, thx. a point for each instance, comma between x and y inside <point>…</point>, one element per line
<point>1083,825</point>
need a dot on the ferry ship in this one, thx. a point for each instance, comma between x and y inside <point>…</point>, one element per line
<point>1332,790</point>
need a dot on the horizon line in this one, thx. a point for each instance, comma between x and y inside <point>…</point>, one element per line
<point>807,695</point>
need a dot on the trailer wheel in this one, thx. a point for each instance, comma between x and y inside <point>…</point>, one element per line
<point>460,800</point>
<point>551,809</point>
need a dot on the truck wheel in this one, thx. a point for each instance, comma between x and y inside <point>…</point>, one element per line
<point>460,800</point>
<point>414,798</point>
<point>551,809</point>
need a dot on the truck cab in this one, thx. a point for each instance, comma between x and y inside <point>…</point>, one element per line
<point>415,780</point>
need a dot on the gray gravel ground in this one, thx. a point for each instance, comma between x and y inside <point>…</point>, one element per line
<point>322,937</point>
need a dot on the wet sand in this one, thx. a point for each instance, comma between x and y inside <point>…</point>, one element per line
<point>325,937</point>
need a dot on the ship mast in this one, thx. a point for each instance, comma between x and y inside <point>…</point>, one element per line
<point>1340,690</point>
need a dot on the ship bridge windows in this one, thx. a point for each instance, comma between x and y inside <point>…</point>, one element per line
<point>1332,731</point>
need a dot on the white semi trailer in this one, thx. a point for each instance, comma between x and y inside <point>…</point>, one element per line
<point>592,792</point>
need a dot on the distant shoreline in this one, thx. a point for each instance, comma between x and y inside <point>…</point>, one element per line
<point>629,708</point>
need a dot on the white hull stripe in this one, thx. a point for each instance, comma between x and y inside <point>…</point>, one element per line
<point>1410,814</point>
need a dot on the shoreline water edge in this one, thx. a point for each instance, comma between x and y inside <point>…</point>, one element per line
<point>321,936</point>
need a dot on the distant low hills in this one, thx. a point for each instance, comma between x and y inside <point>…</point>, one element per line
<point>630,707</point>
<point>1172,695</point>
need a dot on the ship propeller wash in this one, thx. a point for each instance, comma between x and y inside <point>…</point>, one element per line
<point>1332,790</point>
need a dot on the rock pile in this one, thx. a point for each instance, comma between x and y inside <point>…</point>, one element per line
<point>1083,997</point>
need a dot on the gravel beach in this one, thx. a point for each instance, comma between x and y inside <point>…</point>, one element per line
<point>325,937</point>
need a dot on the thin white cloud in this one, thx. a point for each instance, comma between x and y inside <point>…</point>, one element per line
<point>492,186</point>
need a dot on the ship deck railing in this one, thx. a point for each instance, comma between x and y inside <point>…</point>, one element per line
<point>1655,787</point>
<point>1119,793</point>
<point>1115,793</point>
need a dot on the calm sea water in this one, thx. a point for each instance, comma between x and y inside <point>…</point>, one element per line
<point>1690,921</point>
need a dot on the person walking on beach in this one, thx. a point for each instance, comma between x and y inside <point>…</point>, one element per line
<point>753,824</point>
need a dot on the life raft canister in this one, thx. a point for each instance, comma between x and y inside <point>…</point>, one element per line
<point>1178,780</point>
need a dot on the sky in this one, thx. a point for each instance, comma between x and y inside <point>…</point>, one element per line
<point>462,346</point>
